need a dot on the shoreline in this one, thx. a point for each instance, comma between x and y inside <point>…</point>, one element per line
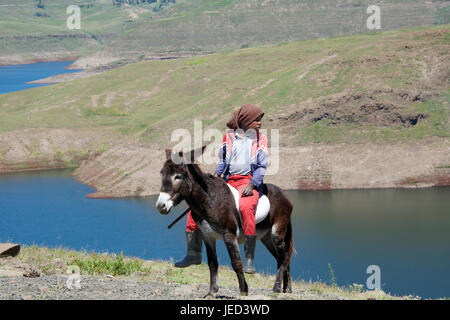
<point>57,78</point>
<point>97,194</point>
<point>37,60</point>
<point>95,162</point>
<point>94,63</point>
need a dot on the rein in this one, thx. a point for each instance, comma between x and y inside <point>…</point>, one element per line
<point>179,218</point>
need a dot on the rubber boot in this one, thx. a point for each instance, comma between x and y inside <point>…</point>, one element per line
<point>249,248</point>
<point>193,249</point>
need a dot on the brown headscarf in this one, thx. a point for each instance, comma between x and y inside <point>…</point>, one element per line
<point>244,116</point>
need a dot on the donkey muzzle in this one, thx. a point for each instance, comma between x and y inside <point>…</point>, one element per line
<point>164,203</point>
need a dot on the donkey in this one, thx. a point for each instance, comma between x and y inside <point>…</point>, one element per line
<point>214,210</point>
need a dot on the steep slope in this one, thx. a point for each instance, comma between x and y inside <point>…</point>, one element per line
<point>29,32</point>
<point>352,112</point>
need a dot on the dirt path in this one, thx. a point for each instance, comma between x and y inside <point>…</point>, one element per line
<point>54,287</point>
<point>20,280</point>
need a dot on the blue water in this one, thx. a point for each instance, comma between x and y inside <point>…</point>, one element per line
<point>404,232</point>
<point>15,78</point>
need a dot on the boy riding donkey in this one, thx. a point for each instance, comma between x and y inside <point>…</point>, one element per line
<point>243,160</point>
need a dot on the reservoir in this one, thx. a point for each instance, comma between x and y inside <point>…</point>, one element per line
<point>15,77</point>
<point>338,234</point>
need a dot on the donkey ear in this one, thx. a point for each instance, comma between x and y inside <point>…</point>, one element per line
<point>198,177</point>
<point>168,154</point>
<point>177,158</point>
<point>192,155</point>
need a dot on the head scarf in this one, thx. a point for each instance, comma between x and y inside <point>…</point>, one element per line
<point>244,116</point>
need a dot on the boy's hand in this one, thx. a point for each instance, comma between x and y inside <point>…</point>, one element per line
<point>216,175</point>
<point>248,190</point>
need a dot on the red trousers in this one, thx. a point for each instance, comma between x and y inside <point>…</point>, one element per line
<point>247,205</point>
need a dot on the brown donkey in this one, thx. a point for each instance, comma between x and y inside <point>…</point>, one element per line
<point>214,210</point>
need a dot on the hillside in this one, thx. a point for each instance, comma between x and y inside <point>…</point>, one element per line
<point>30,32</point>
<point>362,111</point>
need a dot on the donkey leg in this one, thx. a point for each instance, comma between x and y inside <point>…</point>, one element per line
<point>287,281</point>
<point>236,262</point>
<point>283,259</point>
<point>268,242</point>
<point>280,267</point>
<point>210,244</point>
<point>288,240</point>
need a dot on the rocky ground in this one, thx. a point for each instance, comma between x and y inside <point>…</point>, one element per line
<point>21,281</point>
<point>39,273</point>
<point>55,287</point>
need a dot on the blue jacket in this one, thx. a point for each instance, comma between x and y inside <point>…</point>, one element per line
<point>259,160</point>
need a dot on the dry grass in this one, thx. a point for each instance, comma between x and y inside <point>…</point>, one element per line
<point>57,261</point>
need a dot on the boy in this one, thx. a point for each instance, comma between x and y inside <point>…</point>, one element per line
<point>243,162</point>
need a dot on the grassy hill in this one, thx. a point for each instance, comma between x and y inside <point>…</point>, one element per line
<point>359,111</point>
<point>390,85</point>
<point>194,25</point>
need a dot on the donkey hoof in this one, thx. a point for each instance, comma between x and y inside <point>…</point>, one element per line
<point>210,295</point>
<point>277,288</point>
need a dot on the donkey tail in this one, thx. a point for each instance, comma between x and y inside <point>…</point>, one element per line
<point>290,240</point>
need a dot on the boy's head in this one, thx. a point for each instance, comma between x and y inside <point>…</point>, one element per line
<point>247,117</point>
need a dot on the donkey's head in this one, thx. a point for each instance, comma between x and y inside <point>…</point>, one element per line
<point>179,174</point>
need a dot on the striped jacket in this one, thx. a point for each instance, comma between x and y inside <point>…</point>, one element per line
<point>259,158</point>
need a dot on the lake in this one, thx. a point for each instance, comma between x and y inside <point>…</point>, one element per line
<point>405,232</point>
<point>15,77</point>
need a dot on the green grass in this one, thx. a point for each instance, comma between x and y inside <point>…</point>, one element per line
<point>59,260</point>
<point>147,100</point>
<point>332,275</point>
<point>436,125</point>
<point>116,266</point>
<point>191,25</point>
